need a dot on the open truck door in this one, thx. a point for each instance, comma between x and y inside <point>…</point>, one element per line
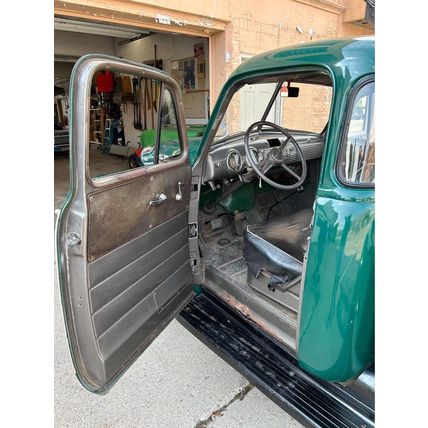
<point>122,239</point>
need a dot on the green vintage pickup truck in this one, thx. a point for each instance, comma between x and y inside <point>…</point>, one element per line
<point>262,244</point>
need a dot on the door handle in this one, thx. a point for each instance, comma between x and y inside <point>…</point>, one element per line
<point>161,198</point>
<point>179,196</point>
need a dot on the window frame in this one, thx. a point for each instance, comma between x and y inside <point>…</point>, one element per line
<point>165,81</point>
<point>344,134</point>
<point>227,97</point>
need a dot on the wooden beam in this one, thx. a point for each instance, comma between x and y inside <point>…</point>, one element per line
<point>137,15</point>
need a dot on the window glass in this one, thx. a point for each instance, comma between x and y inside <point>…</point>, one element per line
<point>123,121</point>
<point>169,137</point>
<point>309,111</point>
<point>357,160</point>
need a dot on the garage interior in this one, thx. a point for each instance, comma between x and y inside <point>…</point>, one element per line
<point>119,122</point>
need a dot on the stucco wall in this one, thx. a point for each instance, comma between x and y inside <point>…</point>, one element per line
<point>255,28</point>
<point>234,28</point>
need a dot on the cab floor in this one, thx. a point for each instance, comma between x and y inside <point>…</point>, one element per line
<point>226,254</point>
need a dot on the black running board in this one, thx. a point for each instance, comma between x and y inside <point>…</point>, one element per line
<point>260,359</point>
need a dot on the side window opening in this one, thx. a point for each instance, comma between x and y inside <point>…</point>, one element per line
<point>169,142</point>
<point>357,155</point>
<point>128,116</point>
<point>169,137</point>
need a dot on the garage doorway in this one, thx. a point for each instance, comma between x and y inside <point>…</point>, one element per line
<point>118,130</point>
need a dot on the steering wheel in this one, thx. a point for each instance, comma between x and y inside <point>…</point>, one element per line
<point>275,156</point>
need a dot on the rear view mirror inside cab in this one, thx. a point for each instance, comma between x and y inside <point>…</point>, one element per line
<point>126,115</point>
<point>289,91</point>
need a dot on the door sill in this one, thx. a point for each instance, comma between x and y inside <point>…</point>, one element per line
<point>276,321</point>
<point>269,367</point>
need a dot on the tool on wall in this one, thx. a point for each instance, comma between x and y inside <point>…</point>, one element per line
<point>126,92</point>
<point>152,95</point>
<point>157,87</point>
<point>156,96</point>
<point>148,99</point>
<point>141,102</point>
<point>137,110</point>
<point>144,101</point>
<point>105,81</point>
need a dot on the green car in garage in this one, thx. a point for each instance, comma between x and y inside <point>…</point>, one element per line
<point>261,242</point>
<point>170,146</point>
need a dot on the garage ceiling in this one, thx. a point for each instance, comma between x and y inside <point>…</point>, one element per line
<point>78,26</point>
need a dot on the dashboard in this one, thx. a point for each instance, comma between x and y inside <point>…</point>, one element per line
<point>227,159</point>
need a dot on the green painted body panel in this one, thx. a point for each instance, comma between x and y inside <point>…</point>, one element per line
<point>338,293</point>
<point>242,199</point>
<point>337,314</point>
<point>337,318</point>
<point>207,195</point>
<point>194,145</point>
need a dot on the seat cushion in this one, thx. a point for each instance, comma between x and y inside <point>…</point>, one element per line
<point>278,246</point>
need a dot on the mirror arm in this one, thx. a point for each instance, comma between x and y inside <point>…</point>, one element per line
<point>270,104</point>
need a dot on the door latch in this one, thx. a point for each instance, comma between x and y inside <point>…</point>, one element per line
<point>73,239</point>
<point>161,198</point>
<point>179,196</point>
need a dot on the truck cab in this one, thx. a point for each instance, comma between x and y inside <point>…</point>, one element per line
<point>257,235</point>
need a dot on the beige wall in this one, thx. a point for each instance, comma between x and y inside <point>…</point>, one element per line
<point>254,29</point>
<point>249,26</point>
<point>234,27</point>
<point>310,110</point>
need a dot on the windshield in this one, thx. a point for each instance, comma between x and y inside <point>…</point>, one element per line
<point>308,111</point>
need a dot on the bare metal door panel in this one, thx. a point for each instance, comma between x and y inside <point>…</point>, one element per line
<point>124,263</point>
<point>105,266</point>
<point>128,207</point>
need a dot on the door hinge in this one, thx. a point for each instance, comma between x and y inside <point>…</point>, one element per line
<point>194,191</point>
<point>194,260</point>
<point>73,239</point>
<point>193,230</point>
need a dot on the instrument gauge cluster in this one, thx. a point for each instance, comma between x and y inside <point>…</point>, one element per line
<point>234,161</point>
<point>257,156</point>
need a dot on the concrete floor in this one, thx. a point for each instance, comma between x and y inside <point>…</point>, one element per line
<point>99,164</point>
<point>177,382</point>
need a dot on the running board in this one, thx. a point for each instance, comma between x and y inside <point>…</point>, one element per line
<point>259,358</point>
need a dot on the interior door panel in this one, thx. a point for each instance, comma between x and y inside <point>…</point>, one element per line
<point>123,261</point>
<point>126,207</point>
<point>130,279</point>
